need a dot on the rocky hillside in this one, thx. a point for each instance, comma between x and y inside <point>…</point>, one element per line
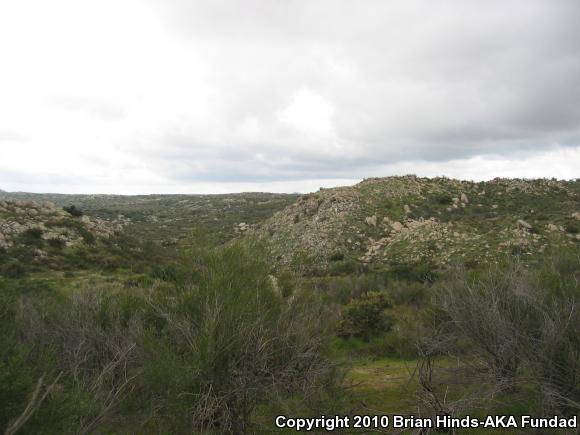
<point>50,223</point>
<point>407,220</point>
<point>34,233</point>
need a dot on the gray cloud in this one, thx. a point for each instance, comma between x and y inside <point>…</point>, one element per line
<point>404,79</point>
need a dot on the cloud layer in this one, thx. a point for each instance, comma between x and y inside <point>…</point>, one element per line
<point>181,96</point>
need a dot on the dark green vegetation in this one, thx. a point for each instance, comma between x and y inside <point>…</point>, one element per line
<point>199,352</point>
<point>213,314</point>
<point>514,334</point>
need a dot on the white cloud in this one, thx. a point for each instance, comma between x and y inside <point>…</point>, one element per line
<point>309,113</point>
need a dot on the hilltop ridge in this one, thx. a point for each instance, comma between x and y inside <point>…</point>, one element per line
<point>409,219</point>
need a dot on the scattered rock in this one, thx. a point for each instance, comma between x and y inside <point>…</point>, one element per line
<point>397,226</point>
<point>242,227</point>
<point>371,220</point>
<point>311,207</point>
<point>464,198</point>
<point>30,215</point>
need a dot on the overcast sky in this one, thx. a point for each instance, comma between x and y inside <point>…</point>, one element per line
<point>178,96</point>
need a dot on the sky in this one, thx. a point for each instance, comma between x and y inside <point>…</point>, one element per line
<point>216,96</point>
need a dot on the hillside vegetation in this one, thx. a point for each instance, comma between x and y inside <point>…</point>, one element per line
<point>385,222</point>
<point>213,314</point>
<point>38,236</point>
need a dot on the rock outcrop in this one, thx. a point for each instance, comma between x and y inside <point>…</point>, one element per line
<point>50,223</point>
<point>410,219</point>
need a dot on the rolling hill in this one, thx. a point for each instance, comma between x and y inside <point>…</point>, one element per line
<point>382,222</point>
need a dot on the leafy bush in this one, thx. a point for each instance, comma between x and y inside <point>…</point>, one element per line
<point>32,234</point>
<point>31,238</point>
<point>443,199</point>
<point>342,289</point>
<point>337,256</point>
<point>422,272</point>
<point>345,267</point>
<point>365,317</point>
<point>56,244</point>
<point>413,293</point>
<point>286,283</point>
<point>400,342</point>
<point>73,210</point>
<point>13,269</point>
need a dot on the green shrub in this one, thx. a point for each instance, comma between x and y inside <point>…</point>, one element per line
<point>16,378</point>
<point>443,199</point>
<point>365,317</point>
<point>342,289</point>
<point>32,234</point>
<point>165,273</point>
<point>32,237</point>
<point>207,350</point>
<point>419,272</point>
<point>57,244</point>
<point>345,267</point>
<point>286,283</point>
<point>13,269</point>
<point>413,293</point>
<point>337,256</point>
<point>401,342</point>
<point>520,325</point>
<point>229,342</point>
<point>88,237</point>
<point>73,210</point>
